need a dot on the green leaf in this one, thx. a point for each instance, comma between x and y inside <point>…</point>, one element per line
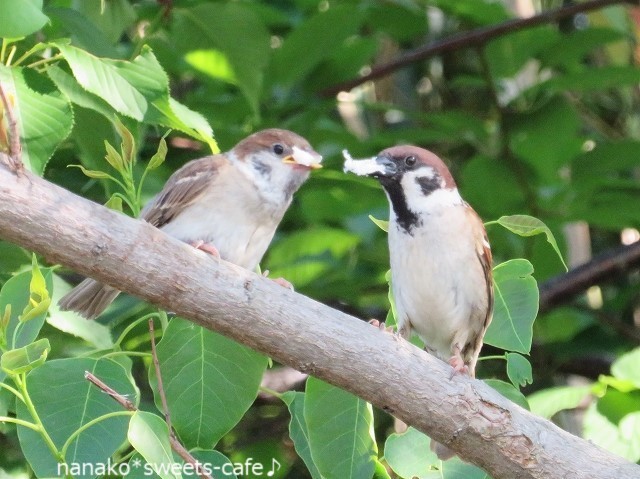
<point>83,32</point>
<point>115,202</point>
<point>19,18</point>
<point>128,146</point>
<point>95,333</point>
<point>219,377</point>
<point>115,159</point>
<point>68,85</point>
<point>111,18</point>
<point>549,402</point>
<point>39,298</point>
<point>149,435</point>
<point>516,306</point>
<point>16,292</point>
<point>508,391</point>
<point>22,360</point>
<point>626,367</point>
<point>519,370</point>
<point>340,428</point>
<point>621,439</point>
<point>594,79</point>
<point>219,26</point>
<point>524,225</point>
<point>298,431</point>
<point>138,89</point>
<point>100,175</point>
<point>159,156</point>
<point>65,401</point>
<point>409,455</point>
<point>44,119</point>
<point>382,224</point>
<point>314,40</point>
<point>219,465</point>
<point>306,255</point>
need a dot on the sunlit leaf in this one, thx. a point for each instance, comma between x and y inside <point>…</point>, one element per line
<point>149,435</point>
<point>22,360</point>
<point>524,225</point>
<point>548,402</point>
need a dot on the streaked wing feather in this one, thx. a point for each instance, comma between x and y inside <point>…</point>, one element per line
<point>183,188</point>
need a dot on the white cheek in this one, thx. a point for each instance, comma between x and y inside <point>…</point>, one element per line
<point>418,201</point>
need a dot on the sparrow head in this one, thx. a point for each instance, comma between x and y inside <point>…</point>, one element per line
<point>276,160</point>
<point>414,179</point>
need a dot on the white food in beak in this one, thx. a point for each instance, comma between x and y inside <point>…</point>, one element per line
<point>305,158</point>
<point>365,167</point>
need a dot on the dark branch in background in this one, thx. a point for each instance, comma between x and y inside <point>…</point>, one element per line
<point>474,38</point>
<point>604,267</point>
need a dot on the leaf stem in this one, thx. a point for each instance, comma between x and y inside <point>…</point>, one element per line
<point>486,358</point>
<point>129,328</point>
<point>271,392</point>
<point>44,61</point>
<point>21,382</point>
<point>28,53</point>
<point>20,422</point>
<point>14,391</point>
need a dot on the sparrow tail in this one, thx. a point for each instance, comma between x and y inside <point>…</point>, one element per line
<point>89,298</point>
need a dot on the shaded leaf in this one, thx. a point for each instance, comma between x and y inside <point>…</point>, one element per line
<point>516,306</point>
<point>298,431</point>
<point>409,455</point>
<point>340,429</point>
<point>508,391</point>
<point>210,381</point>
<point>519,370</point>
<point>65,401</point>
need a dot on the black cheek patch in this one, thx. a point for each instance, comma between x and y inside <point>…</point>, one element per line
<point>429,185</point>
<point>406,218</point>
<point>262,168</point>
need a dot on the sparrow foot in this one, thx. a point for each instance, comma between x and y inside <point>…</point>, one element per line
<point>281,281</point>
<point>206,247</point>
<point>381,325</point>
<point>458,365</point>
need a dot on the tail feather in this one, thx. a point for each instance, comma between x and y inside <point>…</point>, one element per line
<point>89,298</point>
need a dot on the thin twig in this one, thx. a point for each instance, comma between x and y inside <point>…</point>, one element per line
<point>176,445</point>
<point>474,38</point>
<point>119,398</point>
<point>15,149</point>
<point>156,365</point>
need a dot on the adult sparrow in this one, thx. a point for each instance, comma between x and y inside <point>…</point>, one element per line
<point>228,204</point>
<point>441,277</point>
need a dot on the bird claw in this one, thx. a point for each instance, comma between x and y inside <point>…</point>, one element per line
<point>458,365</point>
<point>381,325</point>
<point>282,282</point>
<point>206,247</point>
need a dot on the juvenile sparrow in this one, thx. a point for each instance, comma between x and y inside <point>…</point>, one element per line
<point>228,204</point>
<point>441,276</point>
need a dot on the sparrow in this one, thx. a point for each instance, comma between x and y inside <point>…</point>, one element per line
<point>228,205</point>
<point>441,277</point>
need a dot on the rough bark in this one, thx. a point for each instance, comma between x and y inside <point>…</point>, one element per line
<point>470,417</point>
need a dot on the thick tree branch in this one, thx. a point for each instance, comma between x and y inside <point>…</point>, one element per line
<point>612,263</point>
<point>474,38</point>
<point>465,414</point>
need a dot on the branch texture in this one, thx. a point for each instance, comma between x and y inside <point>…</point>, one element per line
<point>474,38</point>
<point>465,414</point>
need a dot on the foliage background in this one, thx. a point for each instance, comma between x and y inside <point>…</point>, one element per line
<point>544,121</point>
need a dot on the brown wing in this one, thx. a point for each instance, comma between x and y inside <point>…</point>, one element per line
<point>483,251</point>
<point>183,187</point>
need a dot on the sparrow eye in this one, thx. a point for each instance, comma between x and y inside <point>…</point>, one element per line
<point>410,160</point>
<point>278,149</point>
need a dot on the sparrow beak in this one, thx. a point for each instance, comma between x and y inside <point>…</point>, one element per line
<point>376,166</point>
<point>310,159</point>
